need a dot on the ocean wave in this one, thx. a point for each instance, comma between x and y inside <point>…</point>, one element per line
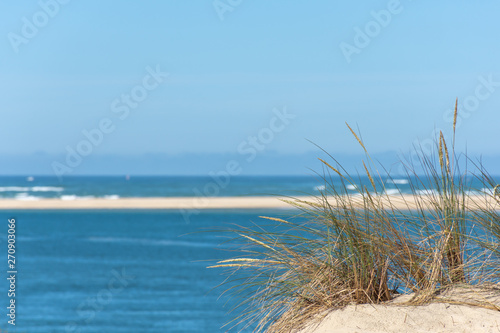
<point>320,188</point>
<point>427,192</point>
<point>475,192</point>
<point>399,181</point>
<point>26,197</point>
<point>467,192</point>
<point>14,189</point>
<point>148,241</point>
<point>87,197</point>
<point>351,187</point>
<point>72,197</point>
<point>47,189</point>
<point>31,189</point>
<point>487,190</point>
<point>392,191</point>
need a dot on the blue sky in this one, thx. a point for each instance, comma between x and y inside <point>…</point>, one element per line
<point>231,63</point>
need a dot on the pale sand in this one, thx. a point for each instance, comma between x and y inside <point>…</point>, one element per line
<point>434,317</point>
<point>398,202</point>
<point>148,203</point>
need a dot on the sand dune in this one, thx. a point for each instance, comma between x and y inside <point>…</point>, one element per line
<point>434,317</point>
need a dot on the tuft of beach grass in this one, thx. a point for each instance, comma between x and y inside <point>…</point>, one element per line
<point>362,249</point>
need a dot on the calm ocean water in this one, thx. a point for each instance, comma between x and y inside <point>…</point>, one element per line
<point>119,271</point>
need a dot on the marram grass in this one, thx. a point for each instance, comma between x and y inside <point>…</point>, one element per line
<point>346,253</point>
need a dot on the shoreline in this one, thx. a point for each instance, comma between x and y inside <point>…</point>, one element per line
<point>401,202</point>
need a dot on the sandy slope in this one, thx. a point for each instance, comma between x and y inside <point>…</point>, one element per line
<point>434,317</point>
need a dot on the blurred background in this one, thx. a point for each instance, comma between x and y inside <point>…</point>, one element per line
<point>181,88</point>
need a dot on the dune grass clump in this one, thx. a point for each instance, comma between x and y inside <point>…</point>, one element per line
<point>370,247</point>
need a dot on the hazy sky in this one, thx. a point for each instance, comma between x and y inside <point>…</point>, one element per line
<point>392,68</point>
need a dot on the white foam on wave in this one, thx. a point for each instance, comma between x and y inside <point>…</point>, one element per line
<point>112,197</point>
<point>320,188</point>
<point>399,181</point>
<point>474,192</point>
<point>31,189</point>
<point>392,191</point>
<point>487,190</point>
<point>26,197</point>
<point>14,189</point>
<point>46,189</point>
<point>351,187</point>
<point>72,197</point>
<point>427,192</point>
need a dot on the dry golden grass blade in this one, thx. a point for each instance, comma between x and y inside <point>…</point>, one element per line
<point>231,265</point>
<point>496,193</point>
<point>244,259</point>
<point>274,219</point>
<point>356,136</point>
<point>244,262</point>
<point>455,115</point>
<point>370,177</point>
<point>258,242</point>
<point>444,158</point>
<point>328,165</point>
<point>301,204</point>
<point>434,272</point>
<point>447,156</point>
<point>370,198</point>
<point>441,155</point>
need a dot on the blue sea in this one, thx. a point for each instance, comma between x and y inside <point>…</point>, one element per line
<point>118,271</point>
<point>129,271</point>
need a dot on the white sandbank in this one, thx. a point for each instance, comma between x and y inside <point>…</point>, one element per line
<point>397,202</point>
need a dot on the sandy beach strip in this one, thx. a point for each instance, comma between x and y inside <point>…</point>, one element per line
<point>397,202</point>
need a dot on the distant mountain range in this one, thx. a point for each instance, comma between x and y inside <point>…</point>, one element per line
<point>264,163</point>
